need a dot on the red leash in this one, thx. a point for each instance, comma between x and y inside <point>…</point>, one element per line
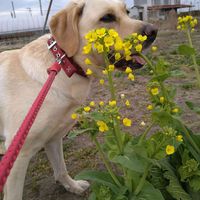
<point>11,154</point>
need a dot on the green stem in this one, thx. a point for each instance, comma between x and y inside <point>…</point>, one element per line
<point>191,140</point>
<point>106,162</point>
<point>118,136</point>
<point>145,133</point>
<point>111,86</point>
<point>152,67</point>
<point>142,180</point>
<point>194,59</point>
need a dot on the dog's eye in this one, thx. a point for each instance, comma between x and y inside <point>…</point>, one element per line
<point>128,12</point>
<point>108,18</point>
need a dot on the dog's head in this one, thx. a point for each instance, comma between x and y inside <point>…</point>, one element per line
<point>70,25</point>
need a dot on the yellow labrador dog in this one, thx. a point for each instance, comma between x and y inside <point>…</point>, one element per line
<point>23,72</point>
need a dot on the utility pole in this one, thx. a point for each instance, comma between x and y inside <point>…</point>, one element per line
<point>13,8</point>
<point>47,16</point>
<point>41,7</point>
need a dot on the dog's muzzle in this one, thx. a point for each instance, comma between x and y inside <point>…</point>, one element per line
<point>150,31</point>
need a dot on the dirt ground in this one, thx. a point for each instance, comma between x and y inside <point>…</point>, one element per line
<point>80,152</point>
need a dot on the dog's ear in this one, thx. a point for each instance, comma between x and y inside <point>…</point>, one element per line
<point>64,28</point>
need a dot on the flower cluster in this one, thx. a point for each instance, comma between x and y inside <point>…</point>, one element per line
<point>107,41</point>
<point>187,23</point>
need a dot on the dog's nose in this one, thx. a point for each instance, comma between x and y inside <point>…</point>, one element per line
<point>150,31</point>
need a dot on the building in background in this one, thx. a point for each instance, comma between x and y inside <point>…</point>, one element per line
<point>155,9</point>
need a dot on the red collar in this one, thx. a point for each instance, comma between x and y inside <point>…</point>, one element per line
<point>66,63</point>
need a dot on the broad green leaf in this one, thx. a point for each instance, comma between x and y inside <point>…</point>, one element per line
<point>161,77</point>
<point>101,192</point>
<point>100,177</point>
<point>75,133</point>
<point>92,196</point>
<point>178,73</point>
<point>148,192</point>
<point>98,116</point>
<point>132,162</point>
<point>174,187</point>
<point>186,50</point>
<point>195,108</point>
<point>195,183</point>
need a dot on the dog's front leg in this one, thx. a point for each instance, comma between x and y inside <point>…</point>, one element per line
<point>54,152</point>
<point>13,189</point>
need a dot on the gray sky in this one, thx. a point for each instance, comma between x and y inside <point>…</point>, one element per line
<point>34,4</point>
<point>33,20</point>
<point>22,5</point>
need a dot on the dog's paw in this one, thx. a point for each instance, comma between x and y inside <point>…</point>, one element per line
<point>71,185</point>
<point>77,187</point>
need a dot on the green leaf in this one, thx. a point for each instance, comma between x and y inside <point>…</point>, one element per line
<point>174,187</point>
<point>195,183</point>
<point>92,196</point>
<point>99,177</point>
<point>98,116</point>
<point>132,162</point>
<point>165,119</point>
<point>178,73</point>
<point>75,133</point>
<point>148,192</point>
<point>161,77</point>
<point>186,50</point>
<point>193,107</point>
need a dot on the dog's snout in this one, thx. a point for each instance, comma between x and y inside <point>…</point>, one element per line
<point>150,31</point>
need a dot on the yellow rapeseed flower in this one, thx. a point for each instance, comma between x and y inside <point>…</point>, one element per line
<point>162,99</point>
<point>92,104</point>
<point>74,116</point>
<point>175,110</point>
<point>87,49</point>
<point>88,61</point>
<point>105,72</point>
<point>101,81</point>
<point>142,38</point>
<point>187,22</point>
<point>170,149</point>
<point>87,109</point>
<point>101,32</point>
<point>127,122</point>
<point>117,56</point>
<point>89,72</point>
<point>149,107</point>
<point>113,33</point>
<point>178,27</point>
<point>102,126</point>
<point>154,91</point>
<point>98,47</point>
<point>128,70</point>
<point>131,77</point>
<point>109,41</point>
<point>134,35</point>
<point>118,117</point>
<point>111,68</point>
<point>127,103</point>
<point>154,48</point>
<point>118,44</point>
<point>179,138</point>
<point>138,48</point>
<point>101,103</point>
<point>112,103</point>
<point>127,45</point>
